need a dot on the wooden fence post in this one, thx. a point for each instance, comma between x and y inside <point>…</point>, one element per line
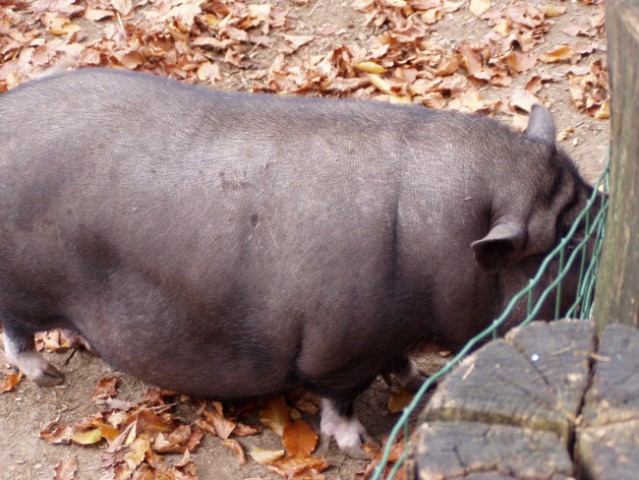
<point>617,298</point>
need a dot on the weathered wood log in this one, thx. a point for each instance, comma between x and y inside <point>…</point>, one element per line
<point>469,450</point>
<point>617,297</point>
<point>610,452</point>
<point>534,378</point>
<point>522,407</point>
<point>614,394</point>
<point>608,434</point>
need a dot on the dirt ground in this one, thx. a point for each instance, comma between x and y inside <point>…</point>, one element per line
<point>27,409</point>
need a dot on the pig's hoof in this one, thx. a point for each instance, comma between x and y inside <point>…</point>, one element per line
<point>356,452</point>
<point>34,366</point>
<point>409,377</point>
<point>324,445</point>
<point>48,377</point>
<point>352,450</point>
<point>368,438</point>
<point>414,382</point>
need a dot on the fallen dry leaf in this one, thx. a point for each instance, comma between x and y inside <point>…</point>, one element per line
<point>452,6</point>
<point>266,457</point>
<point>395,454</point>
<point>522,99</point>
<point>217,424</point>
<point>472,59</point>
<point>137,451</point>
<point>395,3</point>
<point>552,10</point>
<point>576,30</point>
<point>292,467</point>
<point>155,397</point>
<point>381,84</point>
<point>53,340</point>
<point>88,437</point>
<point>59,25</point>
<point>236,448</point>
<point>590,92</point>
<point>564,134</point>
<point>150,422</point>
<point>448,66</point>
<point>260,11</point>
<point>10,382</point>
<point>519,123</point>
<point>295,415</point>
<point>209,73</point>
<point>131,60</point>
<point>583,48</point>
<point>106,430</point>
<point>520,61</point>
<point>424,4</point>
<point>106,388</point>
<point>398,399</point>
<point>183,14</point>
<point>432,15</point>
<point>217,406</point>
<point>66,469</point>
<point>602,112</point>
<point>114,404</point>
<point>469,101</point>
<point>183,438</point>
<point>299,439</point>
<point>95,14</point>
<point>369,67</point>
<point>276,415</point>
<point>298,41</point>
<point>308,402</point>
<point>534,84</point>
<point>54,433</point>
<point>245,430</point>
<point>478,7</point>
<point>124,7</point>
<point>598,20</point>
<point>503,27</point>
<point>558,54</point>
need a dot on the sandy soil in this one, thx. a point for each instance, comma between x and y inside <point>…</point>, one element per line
<point>25,411</point>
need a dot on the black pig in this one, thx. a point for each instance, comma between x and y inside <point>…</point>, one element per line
<point>234,245</point>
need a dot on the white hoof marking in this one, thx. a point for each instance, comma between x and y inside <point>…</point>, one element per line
<point>347,432</point>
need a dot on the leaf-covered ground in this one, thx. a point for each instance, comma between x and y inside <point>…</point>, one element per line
<point>495,57</point>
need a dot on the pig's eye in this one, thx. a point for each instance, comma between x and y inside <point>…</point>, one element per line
<point>575,241</point>
<point>576,238</point>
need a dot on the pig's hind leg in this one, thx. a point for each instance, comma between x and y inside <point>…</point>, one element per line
<point>339,422</point>
<point>19,348</point>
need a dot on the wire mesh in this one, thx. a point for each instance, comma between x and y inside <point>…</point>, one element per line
<point>567,252</point>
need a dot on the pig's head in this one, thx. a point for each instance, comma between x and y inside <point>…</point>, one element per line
<point>534,213</point>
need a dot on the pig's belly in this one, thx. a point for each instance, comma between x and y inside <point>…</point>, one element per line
<point>201,356</point>
<point>185,368</point>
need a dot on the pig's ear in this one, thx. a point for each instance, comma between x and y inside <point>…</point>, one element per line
<point>499,246</point>
<point>541,125</point>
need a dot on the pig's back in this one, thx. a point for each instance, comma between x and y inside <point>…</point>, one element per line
<point>202,220</point>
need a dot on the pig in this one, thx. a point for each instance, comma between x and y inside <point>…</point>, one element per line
<point>236,245</point>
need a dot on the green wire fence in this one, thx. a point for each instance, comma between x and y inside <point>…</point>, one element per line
<point>581,308</point>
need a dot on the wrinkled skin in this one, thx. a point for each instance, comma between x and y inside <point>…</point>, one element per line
<point>232,245</point>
